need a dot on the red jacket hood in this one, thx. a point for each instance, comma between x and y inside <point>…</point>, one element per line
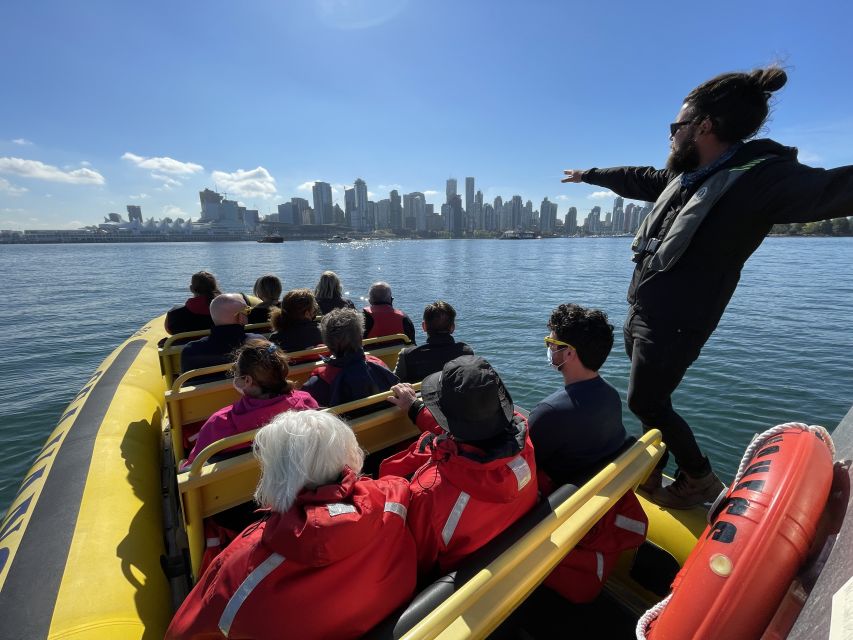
<point>497,480</point>
<point>336,520</point>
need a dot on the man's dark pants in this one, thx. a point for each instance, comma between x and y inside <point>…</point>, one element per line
<point>660,356</point>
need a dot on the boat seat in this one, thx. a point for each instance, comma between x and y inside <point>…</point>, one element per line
<point>496,580</point>
<point>432,596</point>
<point>170,351</point>
<point>189,403</point>
<point>208,488</point>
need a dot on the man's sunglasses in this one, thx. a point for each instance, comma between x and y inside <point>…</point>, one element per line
<point>549,342</point>
<point>675,126</point>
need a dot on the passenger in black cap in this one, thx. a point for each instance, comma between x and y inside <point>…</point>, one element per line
<point>472,472</point>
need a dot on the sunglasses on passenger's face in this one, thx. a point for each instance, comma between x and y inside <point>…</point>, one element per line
<point>558,344</point>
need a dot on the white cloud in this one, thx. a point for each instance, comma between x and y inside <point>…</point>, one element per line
<point>370,194</point>
<point>430,192</point>
<point>85,163</point>
<point>22,142</point>
<point>172,211</point>
<point>163,164</point>
<point>9,188</point>
<point>167,181</point>
<point>139,196</point>
<point>42,171</point>
<point>601,195</point>
<point>257,183</point>
<point>561,197</point>
<point>389,187</point>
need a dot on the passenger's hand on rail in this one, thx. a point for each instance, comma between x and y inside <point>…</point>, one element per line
<point>404,395</point>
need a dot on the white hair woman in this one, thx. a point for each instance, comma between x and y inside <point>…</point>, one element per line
<point>328,535</point>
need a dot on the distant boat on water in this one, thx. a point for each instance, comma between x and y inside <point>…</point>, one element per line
<point>338,240</point>
<point>519,235</point>
<point>274,238</point>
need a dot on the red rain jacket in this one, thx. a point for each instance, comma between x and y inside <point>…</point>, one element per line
<point>458,503</point>
<point>333,566</point>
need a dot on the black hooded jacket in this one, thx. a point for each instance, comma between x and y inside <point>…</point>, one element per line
<point>694,292</point>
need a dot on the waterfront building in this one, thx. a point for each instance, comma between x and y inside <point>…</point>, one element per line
<point>489,223</point>
<point>469,197</point>
<point>571,223</point>
<point>456,218</point>
<point>383,214</point>
<point>450,189</point>
<point>547,216</point>
<point>349,205</point>
<point>134,213</point>
<point>323,208</point>
<point>414,211</point>
<point>516,207</point>
<point>370,218</point>
<point>301,210</point>
<point>287,214</point>
<point>359,211</point>
<point>340,216</point>
<point>396,211</point>
<point>478,210</point>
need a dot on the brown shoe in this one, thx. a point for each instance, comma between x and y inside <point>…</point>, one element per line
<point>653,482</point>
<point>687,492</point>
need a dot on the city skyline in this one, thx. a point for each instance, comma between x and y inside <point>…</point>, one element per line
<point>407,215</point>
<point>116,105</point>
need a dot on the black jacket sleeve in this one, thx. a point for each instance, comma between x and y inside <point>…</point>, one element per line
<point>806,194</point>
<point>636,183</point>
<point>409,328</point>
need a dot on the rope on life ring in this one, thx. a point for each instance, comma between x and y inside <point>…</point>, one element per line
<point>757,443</point>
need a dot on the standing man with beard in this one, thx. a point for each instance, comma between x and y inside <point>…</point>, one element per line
<point>715,201</point>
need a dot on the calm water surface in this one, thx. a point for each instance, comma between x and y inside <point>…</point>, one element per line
<point>783,350</point>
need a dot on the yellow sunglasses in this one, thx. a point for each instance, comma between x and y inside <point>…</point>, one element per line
<point>549,342</point>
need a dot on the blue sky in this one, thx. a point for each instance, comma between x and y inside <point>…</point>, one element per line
<point>110,103</point>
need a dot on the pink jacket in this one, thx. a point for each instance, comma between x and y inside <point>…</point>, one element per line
<point>247,414</point>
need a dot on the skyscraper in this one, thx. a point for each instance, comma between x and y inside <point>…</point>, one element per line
<point>300,210</point>
<point>349,205</point>
<point>455,223</point>
<point>396,211</point>
<point>323,207</point>
<point>469,196</point>
<point>571,225</point>
<point>359,212</point>
<point>547,216</point>
<point>478,211</point>
<point>450,189</point>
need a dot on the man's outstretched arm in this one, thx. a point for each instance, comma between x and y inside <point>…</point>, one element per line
<point>635,183</point>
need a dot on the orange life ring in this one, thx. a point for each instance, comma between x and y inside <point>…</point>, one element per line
<point>758,537</point>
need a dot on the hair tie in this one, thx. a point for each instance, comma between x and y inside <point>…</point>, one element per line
<point>272,348</point>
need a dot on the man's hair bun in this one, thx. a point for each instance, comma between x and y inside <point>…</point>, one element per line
<point>769,79</point>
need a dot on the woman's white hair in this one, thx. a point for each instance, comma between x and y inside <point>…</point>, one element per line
<point>302,449</point>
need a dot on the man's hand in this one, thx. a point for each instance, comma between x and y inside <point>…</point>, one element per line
<point>573,175</point>
<point>404,395</point>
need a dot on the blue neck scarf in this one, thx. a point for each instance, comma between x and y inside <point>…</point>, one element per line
<point>688,179</point>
